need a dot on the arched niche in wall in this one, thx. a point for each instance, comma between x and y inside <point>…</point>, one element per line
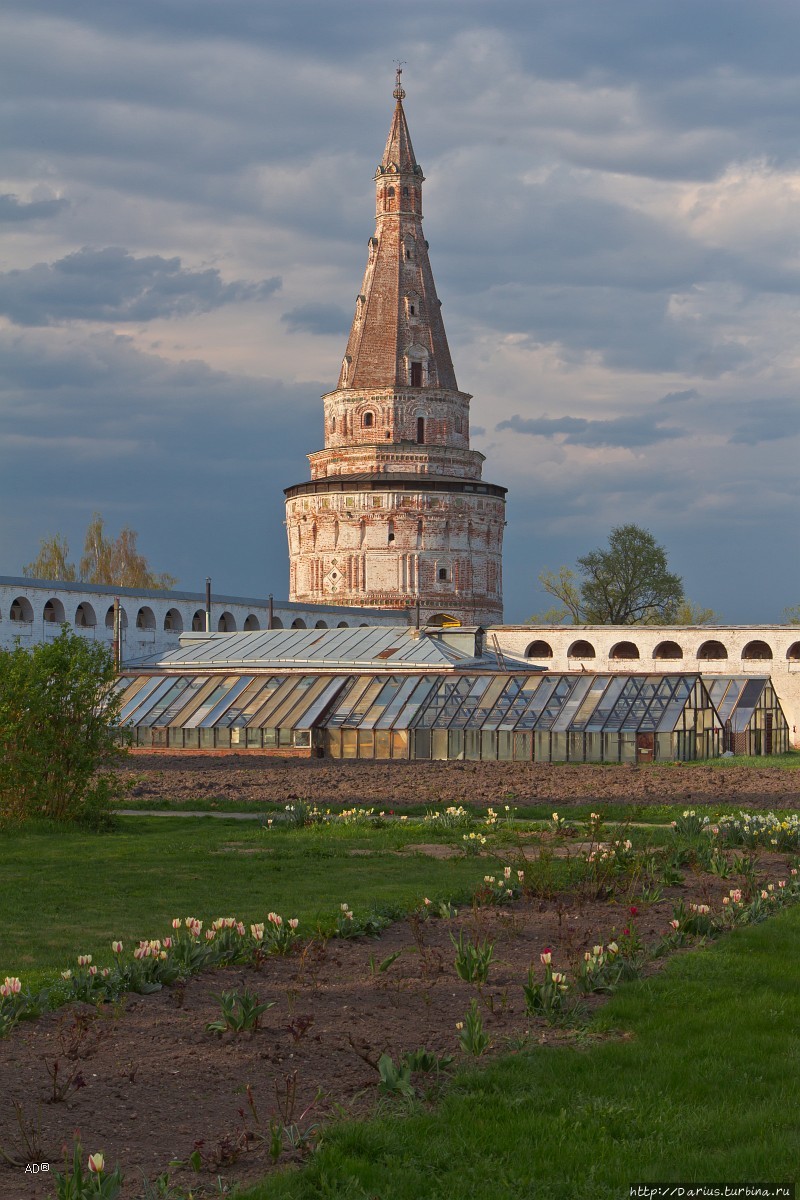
<point>667,650</point>
<point>626,650</point>
<point>712,650</point>
<point>145,618</point>
<point>21,609</point>
<point>539,649</point>
<point>227,623</point>
<point>251,622</point>
<point>54,610</point>
<point>85,616</point>
<point>581,649</point>
<point>757,650</point>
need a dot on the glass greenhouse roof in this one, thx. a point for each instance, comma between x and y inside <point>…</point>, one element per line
<point>462,700</point>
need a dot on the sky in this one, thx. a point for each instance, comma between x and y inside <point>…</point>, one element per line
<point>612,202</point>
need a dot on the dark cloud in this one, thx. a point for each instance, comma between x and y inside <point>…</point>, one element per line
<point>113,285</point>
<point>680,397</point>
<point>12,209</point>
<point>769,421</point>
<point>317,319</point>
<point>628,432</point>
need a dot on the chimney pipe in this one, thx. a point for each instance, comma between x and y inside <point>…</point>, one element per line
<point>208,604</point>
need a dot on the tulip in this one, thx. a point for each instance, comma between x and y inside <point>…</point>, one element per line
<point>295,921</point>
<point>84,960</point>
<point>116,947</point>
<point>545,958</point>
<point>96,1163</point>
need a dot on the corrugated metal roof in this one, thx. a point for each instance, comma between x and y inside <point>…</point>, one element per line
<point>390,647</point>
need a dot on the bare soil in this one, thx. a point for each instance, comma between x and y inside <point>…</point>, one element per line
<point>395,785</point>
<point>150,1084</point>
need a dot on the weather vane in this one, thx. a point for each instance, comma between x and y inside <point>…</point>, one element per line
<point>399,91</point>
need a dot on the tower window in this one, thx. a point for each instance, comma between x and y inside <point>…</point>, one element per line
<point>390,531</point>
<point>420,427</point>
<point>443,574</point>
<point>416,376</point>
<point>390,192</point>
<point>368,420</point>
<point>333,424</point>
<point>405,191</point>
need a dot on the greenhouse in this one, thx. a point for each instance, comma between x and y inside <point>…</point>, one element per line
<point>752,718</point>
<point>431,694</point>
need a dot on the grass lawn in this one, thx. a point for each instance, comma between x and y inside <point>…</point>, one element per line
<point>65,892</point>
<point>702,1086</point>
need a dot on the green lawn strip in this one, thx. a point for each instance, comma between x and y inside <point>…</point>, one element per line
<point>65,892</point>
<point>702,1088</point>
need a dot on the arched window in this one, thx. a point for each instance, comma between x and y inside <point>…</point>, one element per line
<point>85,617</point>
<point>667,650</point>
<point>793,653</point>
<point>299,623</point>
<point>712,650</point>
<point>757,649</point>
<point>390,531</point>
<point>227,623</point>
<point>390,193</point>
<point>251,622</point>
<point>54,611</point>
<point>145,618</point>
<point>173,621</point>
<point>624,650</point>
<point>368,420</point>
<point>321,625</point>
<point>199,621</point>
<point>277,623</point>
<point>21,609</point>
<point>333,424</point>
<point>420,420</point>
<point>123,617</point>
<point>343,625</point>
<point>581,649</point>
<point>539,649</point>
<point>442,574</point>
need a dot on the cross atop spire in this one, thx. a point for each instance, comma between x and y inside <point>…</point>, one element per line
<point>399,92</point>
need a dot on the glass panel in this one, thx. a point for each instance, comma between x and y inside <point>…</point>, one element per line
<point>285,737</point>
<point>383,743</point>
<point>206,739</point>
<point>466,713</point>
<point>147,692</point>
<point>472,744</point>
<point>399,743</point>
<point>157,713</point>
<point>349,743</point>
<point>489,745</point>
<point>366,743</point>
<point>223,739</point>
<point>593,743</point>
<point>421,747</point>
<point>439,744</point>
<point>570,707</point>
<point>597,686</point>
<point>542,745</point>
<point>191,739</point>
<point>627,748</point>
<point>226,701</point>
<point>576,746</point>
<point>455,744</point>
<point>606,704</point>
<point>558,747</point>
<point>396,703</point>
<point>410,710</point>
<point>505,745</point>
<point>523,747</point>
<point>270,737</point>
<point>333,743</point>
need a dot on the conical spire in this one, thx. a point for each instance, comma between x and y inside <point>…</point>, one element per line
<point>397,338</point>
<point>398,157</point>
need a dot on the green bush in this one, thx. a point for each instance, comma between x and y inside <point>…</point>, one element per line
<point>59,732</point>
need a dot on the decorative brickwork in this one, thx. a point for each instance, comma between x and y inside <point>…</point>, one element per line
<point>396,512</point>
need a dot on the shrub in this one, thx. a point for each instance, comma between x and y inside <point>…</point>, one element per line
<point>59,732</point>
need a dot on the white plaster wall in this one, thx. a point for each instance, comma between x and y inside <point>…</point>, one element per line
<point>137,642</point>
<point>783,670</point>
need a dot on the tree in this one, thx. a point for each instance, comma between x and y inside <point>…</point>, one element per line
<point>115,562</point>
<point>626,584</point>
<point>51,561</point>
<point>59,731</point>
<point>792,614</point>
<point>688,613</point>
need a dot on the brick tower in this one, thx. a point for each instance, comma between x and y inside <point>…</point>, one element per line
<point>396,512</point>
